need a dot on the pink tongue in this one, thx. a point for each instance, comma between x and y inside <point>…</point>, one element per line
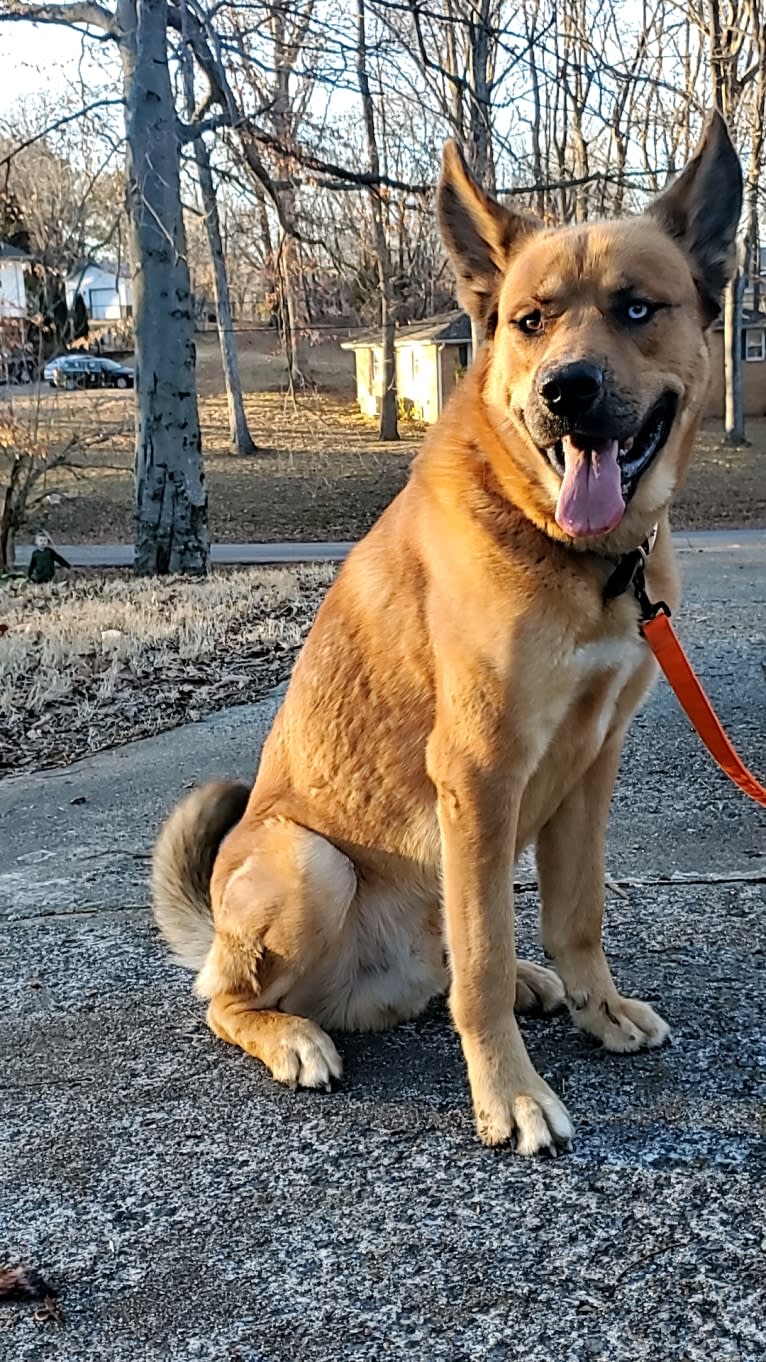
<point>590,501</point>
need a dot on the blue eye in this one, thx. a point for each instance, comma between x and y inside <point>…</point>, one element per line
<point>638,311</point>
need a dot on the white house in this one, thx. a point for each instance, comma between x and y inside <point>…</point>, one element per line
<point>13,297</point>
<point>105,290</point>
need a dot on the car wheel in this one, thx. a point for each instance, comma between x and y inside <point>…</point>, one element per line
<point>121,383</point>
<point>70,384</point>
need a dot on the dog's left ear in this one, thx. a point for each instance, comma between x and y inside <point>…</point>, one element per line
<point>479,235</point>
<point>702,208</point>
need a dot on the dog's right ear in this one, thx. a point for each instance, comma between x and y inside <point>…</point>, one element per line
<point>701,210</point>
<point>479,235</point>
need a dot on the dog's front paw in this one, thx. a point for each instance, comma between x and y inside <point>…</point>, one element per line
<point>621,1024</point>
<point>534,1122</point>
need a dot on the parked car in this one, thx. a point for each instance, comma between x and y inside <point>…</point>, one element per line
<point>87,371</point>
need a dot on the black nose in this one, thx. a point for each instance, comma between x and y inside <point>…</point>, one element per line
<point>573,389</point>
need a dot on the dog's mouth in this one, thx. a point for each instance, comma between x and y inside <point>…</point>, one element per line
<point>600,474</point>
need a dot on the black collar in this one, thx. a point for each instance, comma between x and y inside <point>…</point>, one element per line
<point>630,571</point>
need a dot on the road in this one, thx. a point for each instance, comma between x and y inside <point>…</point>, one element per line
<point>184,1207</point>
<point>121,555</point>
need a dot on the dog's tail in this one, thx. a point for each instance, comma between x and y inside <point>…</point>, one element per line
<point>182,865</point>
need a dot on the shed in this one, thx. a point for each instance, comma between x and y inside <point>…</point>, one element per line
<point>431,356</point>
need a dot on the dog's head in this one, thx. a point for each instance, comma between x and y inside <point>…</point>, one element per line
<point>598,363</point>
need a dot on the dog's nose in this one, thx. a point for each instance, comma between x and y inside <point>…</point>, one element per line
<point>573,389</point>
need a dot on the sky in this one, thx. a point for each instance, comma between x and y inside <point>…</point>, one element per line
<point>45,57</point>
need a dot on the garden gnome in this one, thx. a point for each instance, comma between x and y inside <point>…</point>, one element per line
<point>44,560</point>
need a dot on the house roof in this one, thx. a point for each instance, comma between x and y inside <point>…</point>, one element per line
<point>9,252</point>
<point>450,328</point>
<point>110,267</point>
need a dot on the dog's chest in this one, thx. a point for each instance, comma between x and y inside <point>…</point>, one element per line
<point>581,688</point>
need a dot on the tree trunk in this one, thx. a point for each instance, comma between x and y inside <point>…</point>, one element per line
<point>389,428</point>
<point>734,415</point>
<point>8,518</point>
<point>239,432</point>
<point>171,498</point>
<point>480,74</point>
<point>242,441</point>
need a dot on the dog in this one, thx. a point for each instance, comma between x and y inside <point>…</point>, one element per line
<point>466,688</point>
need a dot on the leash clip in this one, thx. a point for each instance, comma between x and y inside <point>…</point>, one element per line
<point>649,609</point>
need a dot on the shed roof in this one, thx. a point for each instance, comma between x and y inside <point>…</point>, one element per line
<point>9,252</point>
<point>450,328</point>
<point>108,267</point>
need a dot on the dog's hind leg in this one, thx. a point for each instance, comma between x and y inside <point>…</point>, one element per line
<point>537,989</point>
<point>295,1050</point>
<point>277,914</point>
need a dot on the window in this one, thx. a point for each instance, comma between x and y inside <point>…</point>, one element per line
<point>377,365</point>
<point>755,344</point>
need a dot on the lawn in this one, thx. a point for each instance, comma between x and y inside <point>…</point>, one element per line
<point>321,472</point>
<point>99,658</point>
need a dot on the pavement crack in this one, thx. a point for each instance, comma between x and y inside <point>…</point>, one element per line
<point>71,915</point>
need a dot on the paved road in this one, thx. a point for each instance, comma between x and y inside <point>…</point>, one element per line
<point>121,555</point>
<point>186,1208</point>
<point>230,555</point>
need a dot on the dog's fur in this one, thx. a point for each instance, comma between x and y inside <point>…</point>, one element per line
<point>465,691</point>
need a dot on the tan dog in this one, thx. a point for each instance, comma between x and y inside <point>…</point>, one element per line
<point>465,690</point>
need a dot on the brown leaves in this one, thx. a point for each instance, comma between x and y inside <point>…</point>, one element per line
<point>26,1284</point>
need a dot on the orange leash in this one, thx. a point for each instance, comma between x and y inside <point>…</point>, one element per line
<point>664,643</point>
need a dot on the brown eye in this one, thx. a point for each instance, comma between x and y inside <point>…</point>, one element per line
<point>532,324</point>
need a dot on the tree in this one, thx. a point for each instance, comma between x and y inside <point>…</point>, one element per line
<point>59,161</point>
<point>239,433</point>
<point>79,318</point>
<point>170,500</point>
<point>389,429</point>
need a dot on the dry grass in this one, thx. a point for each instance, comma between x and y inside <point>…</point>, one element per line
<point>321,472</point>
<point>101,658</point>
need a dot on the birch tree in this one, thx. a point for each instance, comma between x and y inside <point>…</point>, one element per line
<point>241,441</point>
<point>171,532</point>
<point>389,429</point>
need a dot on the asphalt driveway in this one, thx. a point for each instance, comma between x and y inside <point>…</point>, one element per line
<point>184,1207</point>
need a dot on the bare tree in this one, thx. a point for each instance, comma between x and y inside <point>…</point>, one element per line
<point>389,429</point>
<point>736,50</point>
<point>170,497</point>
<point>239,432</point>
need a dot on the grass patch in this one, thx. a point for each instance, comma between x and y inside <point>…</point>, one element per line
<point>101,658</point>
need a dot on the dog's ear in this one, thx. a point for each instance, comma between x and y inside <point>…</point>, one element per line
<point>479,235</point>
<point>701,211</point>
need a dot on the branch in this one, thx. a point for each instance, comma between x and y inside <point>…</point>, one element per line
<point>189,132</point>
<point>59,123</point>
<point>73,13</point>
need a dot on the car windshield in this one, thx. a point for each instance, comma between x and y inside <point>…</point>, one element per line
<point>110,364</point>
